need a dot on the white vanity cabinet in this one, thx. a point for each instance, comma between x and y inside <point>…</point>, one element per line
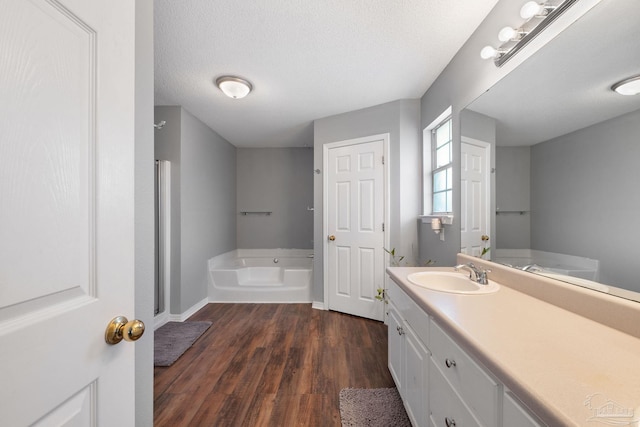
<point>408,355</point>
<point>441,385</point>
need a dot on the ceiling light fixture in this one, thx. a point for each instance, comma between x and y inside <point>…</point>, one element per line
<point>234,87</point>
<point>630,86</point>
<point>537,17</point>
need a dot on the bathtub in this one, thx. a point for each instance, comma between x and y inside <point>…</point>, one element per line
<point>261,275</point>
<point>554,263</point>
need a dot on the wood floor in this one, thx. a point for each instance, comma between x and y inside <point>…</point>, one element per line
<point>270,365</point>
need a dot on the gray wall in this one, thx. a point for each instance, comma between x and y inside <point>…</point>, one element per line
<point>279,180</point>
<point>203,200</point>
<point>512,196</point>
<point>208,200</point>
<point>585,199</point>
<point>465,78</point>
<point>144,230</point>
<point>400,119</point>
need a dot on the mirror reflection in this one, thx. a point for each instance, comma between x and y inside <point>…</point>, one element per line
<point>567,155</point>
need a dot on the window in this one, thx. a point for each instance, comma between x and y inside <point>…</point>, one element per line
<point>441,168</point>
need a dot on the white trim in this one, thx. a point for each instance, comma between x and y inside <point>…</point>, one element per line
<point>447,219</point>
<point>445,114</point>
<point>190,312</point>
<point>160,319</point>
<point>385,137</point>
<point>318,305</point>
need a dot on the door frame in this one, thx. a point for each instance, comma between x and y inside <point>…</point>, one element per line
<point>489,152</point>
<point>385,137</point>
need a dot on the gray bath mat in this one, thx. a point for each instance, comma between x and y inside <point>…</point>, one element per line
<point>174,338</point>
<point>374,407</point>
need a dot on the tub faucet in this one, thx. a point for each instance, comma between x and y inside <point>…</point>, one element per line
<point>532,268</point>
<point>480,274</point>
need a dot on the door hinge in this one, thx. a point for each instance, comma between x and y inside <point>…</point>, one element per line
<point>383,226</point>
<point>383,160</point>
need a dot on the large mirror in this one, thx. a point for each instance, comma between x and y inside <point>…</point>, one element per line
<point>567,155</point>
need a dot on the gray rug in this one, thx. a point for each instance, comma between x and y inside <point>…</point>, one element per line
<point>375,407</point>
<point>172,339</point>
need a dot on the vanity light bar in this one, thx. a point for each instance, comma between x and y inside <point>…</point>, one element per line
<point>514,39</point>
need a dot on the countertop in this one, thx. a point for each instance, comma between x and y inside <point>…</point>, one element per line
<point>553,359</point>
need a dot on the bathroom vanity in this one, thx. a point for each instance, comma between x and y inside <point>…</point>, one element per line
<point>535,352</point>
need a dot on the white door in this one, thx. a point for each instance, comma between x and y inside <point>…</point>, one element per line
<point>475,195</point>
<point>66,211</point>
<point>355,236</point>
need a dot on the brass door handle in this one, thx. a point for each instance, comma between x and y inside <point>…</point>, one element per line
<point>121,328</point>
<point>332,237</point>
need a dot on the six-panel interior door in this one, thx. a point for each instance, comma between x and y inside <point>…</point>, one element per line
<point>66,211</point>
<point>355,221</point>
<point>474,177</point>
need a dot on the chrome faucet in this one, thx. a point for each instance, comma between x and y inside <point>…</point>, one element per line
<point>480,274</point>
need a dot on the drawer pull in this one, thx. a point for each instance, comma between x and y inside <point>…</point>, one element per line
<point>400,330</point>
<point>450,363</point>
<point>449,422</point>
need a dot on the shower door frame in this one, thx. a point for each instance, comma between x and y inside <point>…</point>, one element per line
<point>163,242</point>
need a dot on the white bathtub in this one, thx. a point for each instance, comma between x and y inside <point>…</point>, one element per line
<point>550,262</point>
<point>261,275</point>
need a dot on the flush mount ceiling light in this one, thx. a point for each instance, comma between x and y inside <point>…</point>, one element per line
<point>234,87</point>
<point>630,86</point>
<point>537,17</point>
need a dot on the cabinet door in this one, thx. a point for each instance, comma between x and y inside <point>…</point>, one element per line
<point>396,348</point>
<point>513,414</point>
<point>416,381</point>
<point>447,408</point>
<point>479,391</point>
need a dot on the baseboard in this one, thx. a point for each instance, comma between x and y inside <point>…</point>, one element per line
<point>160,320</point>
<point>318,305</point>
<point>190,312</point>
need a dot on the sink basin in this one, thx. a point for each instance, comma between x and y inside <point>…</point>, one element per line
<point>451,282</point>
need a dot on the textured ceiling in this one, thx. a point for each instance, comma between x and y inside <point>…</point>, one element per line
<point>306,59</point>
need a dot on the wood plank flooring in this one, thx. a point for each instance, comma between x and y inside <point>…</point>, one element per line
<point>270,365</point>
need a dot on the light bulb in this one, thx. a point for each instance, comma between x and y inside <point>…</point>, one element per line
<point>531,9</point>
<point>507,33</point>
<point>488,52</point>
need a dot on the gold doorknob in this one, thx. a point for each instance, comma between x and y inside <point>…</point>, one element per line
<point>332,237</point>
<point>484,238</point>
<point>121,328</point>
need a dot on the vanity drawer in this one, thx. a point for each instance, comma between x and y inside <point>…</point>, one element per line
<point>447,409</point>
<point>476,388</point>
<point>410,312</point>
